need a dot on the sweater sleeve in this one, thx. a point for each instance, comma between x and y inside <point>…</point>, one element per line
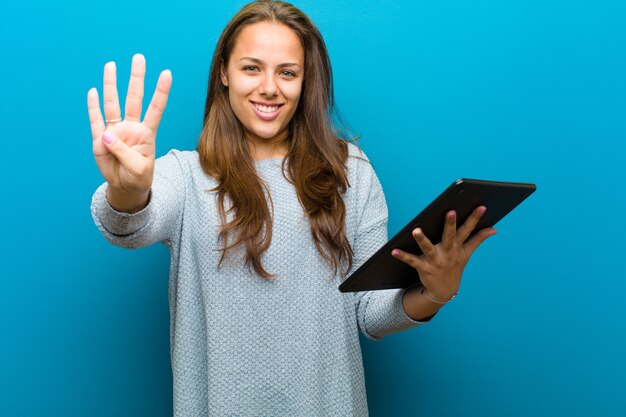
<point>379,313</point>
<point>157,222</point>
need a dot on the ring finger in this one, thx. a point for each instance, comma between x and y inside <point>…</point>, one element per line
<point>112,111</point>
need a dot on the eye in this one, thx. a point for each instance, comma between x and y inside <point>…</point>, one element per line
<point>288,74</point>
<point>251,68</point>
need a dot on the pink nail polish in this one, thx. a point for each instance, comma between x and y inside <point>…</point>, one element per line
<point>108,138</point>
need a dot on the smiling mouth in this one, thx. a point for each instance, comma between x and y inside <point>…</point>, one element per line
<point>269,109</point>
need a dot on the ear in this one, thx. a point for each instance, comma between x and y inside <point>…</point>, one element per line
<point>223,74</point>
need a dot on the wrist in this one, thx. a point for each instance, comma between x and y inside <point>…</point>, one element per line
<point>437,299</point>
<point>128,202</point>
<point>418,307</point>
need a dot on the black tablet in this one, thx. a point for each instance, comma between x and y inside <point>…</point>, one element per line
<point>382,271</point>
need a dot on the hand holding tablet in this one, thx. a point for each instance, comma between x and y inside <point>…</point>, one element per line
<point>441,266</point>
<point>444,249</point>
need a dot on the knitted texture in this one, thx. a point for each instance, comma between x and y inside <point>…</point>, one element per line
<point>242,345</point>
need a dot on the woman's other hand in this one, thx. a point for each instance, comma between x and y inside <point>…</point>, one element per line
<point>124,148</point>
<point>441,266</point>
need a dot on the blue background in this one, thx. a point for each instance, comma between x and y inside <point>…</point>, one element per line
<point>530,90</point>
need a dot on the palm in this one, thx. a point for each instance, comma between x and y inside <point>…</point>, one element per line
<point>139,139</point>
<point>129,164</point>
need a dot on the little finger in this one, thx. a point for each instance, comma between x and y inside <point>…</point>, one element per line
<point>95,115</point>
<point>478,239</point>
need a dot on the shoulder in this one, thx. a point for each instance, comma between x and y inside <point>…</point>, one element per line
<point>184,167</point>
<point>362,178</point>
<point>183,161</point>
<point>365,199</point>
<point>356,153</point>
<point>182,156</point>
<point>177,167</point>
<point>358,165</point>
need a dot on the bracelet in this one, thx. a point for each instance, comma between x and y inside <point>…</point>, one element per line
<point>425,292</point>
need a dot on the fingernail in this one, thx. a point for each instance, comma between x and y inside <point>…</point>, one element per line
<point>482,210</point>
<point>395,252</point>
<point>417,232</point>
<point>108,138</point>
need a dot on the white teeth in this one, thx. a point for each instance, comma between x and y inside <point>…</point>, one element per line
<point>265,109</point>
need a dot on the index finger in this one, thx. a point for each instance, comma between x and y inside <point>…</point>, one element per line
<point>470,224</point>
<point>159,101</point>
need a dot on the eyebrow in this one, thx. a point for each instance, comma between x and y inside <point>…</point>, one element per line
<point>260,62</point>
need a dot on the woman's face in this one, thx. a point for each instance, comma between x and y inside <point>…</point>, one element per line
<point>264,76</point>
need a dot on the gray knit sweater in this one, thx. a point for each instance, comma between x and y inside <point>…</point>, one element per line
<point>242,345</point>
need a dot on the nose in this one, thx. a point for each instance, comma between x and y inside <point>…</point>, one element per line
<point>268,85</point>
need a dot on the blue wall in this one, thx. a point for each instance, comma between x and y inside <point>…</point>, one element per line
<point>518,90</point>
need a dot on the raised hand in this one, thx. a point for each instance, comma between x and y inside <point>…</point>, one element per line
<point>441,266</point>
<point>124,148</point>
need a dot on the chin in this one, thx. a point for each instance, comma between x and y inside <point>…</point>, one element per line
<point>266,134</point>
<point>262,135</point>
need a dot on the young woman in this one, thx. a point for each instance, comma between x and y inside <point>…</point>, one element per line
<point>263,221</point>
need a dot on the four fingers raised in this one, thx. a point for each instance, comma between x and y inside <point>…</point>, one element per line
<point>134,98</point>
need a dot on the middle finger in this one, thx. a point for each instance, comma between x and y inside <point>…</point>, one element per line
<point>134,97</point>
<point>449,230</point>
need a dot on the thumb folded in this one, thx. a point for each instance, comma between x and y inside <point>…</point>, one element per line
<point>121,150</point>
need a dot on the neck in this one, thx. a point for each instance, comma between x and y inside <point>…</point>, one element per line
<point>260,149</point>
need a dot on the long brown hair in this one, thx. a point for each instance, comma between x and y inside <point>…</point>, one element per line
<point>316,157</point>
